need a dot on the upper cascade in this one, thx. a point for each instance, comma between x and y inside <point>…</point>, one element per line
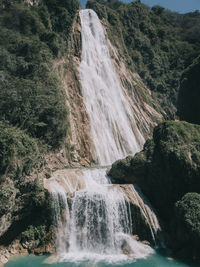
<point>113,128</point>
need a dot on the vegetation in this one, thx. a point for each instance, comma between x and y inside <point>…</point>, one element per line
<point>33,112</point>
<point>187,226</point>
<point>166,170</point>
<point>188,211</point>
<point>35,234</point>
<point>19,153</point>
<point>158,44</point>
<point>30,39</point>
<point>189,94</point>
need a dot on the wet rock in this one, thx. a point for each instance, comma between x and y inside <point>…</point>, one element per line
<point>126,248</point>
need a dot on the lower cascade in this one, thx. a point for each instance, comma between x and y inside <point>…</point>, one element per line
<point>92,216</point>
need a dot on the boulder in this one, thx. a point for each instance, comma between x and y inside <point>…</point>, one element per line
<point>167,171</point>
<point>167,168</point>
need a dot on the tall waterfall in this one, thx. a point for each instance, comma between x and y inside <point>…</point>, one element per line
<point>113,128</point>
<point>93,216</point>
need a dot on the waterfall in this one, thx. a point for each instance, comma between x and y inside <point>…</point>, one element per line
<point>93,216</point>
<point>113,128</point>
<point>100,223</point>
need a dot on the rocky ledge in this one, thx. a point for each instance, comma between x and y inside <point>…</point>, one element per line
<point>168,173</point>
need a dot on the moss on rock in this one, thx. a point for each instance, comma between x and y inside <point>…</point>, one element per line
<point>167,168</point>
<point>186,226</point>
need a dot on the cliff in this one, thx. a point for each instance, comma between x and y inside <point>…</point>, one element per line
<point>166,170</point>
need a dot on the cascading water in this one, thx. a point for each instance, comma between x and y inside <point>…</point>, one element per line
<point>113,128</point>
<point>98,225</point>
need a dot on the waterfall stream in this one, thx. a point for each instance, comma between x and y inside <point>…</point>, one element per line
<point>113,129</point>
<point>99,224</point>
<point>92,216</point>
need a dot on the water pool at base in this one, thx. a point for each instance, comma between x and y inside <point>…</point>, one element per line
<point>155,260</point>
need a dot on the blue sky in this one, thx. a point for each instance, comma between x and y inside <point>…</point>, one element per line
<point>181,6</point>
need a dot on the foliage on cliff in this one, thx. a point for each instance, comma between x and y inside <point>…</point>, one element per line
<point>19,153</point>
<point>158,44</point>
<point>32,110</point>
<point>167,169</point>
<point>186,226</point>
<point>31,37</point>
<point>189,94</point>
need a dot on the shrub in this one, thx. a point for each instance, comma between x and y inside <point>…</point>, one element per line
<point>18,151</point>
<point>189,94</point>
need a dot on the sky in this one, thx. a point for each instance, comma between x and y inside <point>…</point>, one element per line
<point>181,6</point>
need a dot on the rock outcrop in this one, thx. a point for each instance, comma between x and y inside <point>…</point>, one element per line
<point>145,223</point>
<point>167,169</point>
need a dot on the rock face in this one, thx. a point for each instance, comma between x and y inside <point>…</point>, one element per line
<point>79,140</point>
<point>144,221</point>
<point>167,169</point>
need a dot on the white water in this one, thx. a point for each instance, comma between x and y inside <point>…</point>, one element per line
<point>61,216</point>
<point>136,197</point>
<point>98,226</point>
<point>113,128</point>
